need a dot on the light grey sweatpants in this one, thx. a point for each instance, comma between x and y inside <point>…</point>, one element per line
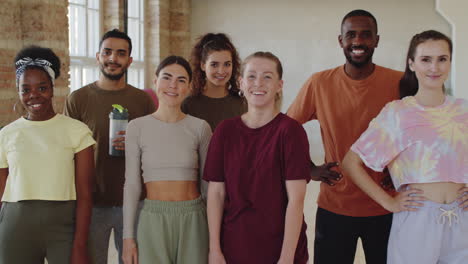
<point>435,234</point>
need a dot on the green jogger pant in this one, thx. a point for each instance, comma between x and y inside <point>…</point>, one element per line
<point>173,232</point>
<point>31,231</point>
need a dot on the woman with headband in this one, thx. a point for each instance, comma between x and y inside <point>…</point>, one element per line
<point>46,163</point>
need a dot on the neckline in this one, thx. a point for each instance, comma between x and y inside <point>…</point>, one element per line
<point>100,90</point>
<point>215,99</point>
<point>415,102</point>
<point>243,126</point>
<point>32,122</point>
<point>365,81</point>
<point>170,123</point>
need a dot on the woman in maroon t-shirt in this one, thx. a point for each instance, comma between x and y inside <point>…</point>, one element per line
<point>258,167</point>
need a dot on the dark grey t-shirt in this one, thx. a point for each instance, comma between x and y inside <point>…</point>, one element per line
<point>214,110</point>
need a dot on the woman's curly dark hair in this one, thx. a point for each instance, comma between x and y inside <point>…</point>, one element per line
<point>36,52</point>
<point>205,45</point>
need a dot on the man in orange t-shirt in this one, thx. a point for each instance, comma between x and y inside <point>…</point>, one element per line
<point>344,100</point>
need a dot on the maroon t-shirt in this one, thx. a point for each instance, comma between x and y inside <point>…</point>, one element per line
<point>254,165</point>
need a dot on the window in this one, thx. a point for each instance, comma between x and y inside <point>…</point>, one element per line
<point>135,22</point>
<point>84,34</point>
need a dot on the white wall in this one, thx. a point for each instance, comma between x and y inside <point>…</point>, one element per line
<point>455,11</point>
<point>304,34</point>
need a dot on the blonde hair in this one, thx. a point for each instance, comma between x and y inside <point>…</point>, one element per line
<point>279,69</point>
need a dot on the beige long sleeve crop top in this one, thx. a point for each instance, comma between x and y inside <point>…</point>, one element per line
<point>162,152</point>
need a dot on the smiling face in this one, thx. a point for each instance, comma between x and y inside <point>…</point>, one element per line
<point>36,92</point>
<point>358,39</point>
<point>172,85</point>
<point>431,64</point>
<point>114,58</point>
<point>260,82</point>
<point>218,68</point>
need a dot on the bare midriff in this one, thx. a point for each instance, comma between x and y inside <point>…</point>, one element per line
<point>172,190</point>
<point>439,192</point>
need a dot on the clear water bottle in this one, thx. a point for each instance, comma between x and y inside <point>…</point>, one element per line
<point>118,121</point>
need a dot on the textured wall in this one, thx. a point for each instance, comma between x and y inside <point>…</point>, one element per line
<point>455,13</point>
<point>168,32</point>
<point>26,22</point>
<point>113,13</point>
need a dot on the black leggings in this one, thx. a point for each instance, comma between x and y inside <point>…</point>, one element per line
<point>336,237</point>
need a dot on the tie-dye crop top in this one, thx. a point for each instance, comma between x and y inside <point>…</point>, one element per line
<point>418,144</point>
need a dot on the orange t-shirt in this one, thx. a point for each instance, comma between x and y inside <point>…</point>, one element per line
<point>344,108</point>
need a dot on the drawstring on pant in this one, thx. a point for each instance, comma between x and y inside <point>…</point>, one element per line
<point>448,214</point>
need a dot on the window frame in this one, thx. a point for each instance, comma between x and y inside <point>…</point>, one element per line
<point>85,63</point>
<point>138,66</point>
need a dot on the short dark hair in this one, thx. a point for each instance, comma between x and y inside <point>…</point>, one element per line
<point>115,33</point>
<point>36,52</point>
<point>359,12</point>
<point>175,60</point>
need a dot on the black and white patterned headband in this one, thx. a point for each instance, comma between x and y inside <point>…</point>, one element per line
<point>25,62</point>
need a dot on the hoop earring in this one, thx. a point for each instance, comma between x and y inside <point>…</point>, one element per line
<point>241,93</point>
<point>55,104</point>
<point>18,108</point>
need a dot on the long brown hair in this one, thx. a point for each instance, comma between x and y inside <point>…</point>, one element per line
<point>205,45</point>
<point>409,83</point>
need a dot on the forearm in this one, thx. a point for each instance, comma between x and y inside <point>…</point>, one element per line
<point>354,167</point>
<point>132,193</point>
<point>215,206</point>
<point>84,175</point>
<point>83,219</point>
<point>292,229</point>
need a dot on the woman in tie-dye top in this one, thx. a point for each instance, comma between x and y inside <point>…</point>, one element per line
<point>423,140</point>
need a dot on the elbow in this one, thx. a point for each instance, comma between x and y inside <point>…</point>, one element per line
<point>84,195</point>
<point>348,162</point>
<point>352,165</point>
<point>218,196</point>
<point>84,192</point>
<point>296,205</point>
<point>216,192</point>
